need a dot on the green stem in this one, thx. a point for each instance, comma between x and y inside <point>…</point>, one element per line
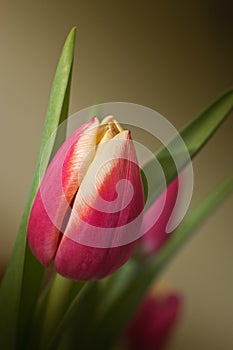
<point>55,336</point>
<point>54,305</point>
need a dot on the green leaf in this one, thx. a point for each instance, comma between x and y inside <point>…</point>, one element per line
<point>115,319</point>
<point>195,136</point>
<point>22,280</point>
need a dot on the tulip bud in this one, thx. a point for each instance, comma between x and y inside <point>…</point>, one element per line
<point>153,322</point>
<point>157,236</point>
<point>89,194</point>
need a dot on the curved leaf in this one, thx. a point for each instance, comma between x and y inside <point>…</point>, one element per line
<point>22,281</point>
<point>195,136</point>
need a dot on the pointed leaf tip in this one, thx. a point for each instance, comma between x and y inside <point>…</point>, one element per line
<point>15,302</point>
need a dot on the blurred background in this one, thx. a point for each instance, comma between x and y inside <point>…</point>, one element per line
<point>172,56</point>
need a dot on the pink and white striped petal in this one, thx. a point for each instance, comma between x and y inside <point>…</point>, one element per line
<point>57,190</point>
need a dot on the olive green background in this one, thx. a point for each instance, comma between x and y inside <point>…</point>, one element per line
<point>172,56</point>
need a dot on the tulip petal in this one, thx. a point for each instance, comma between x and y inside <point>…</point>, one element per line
<point>79,262</point>
<point>57,189</point>
<point>109,198</point>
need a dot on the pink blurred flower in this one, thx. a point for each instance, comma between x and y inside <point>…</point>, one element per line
<point>153,322</point>
<point>157,236</point>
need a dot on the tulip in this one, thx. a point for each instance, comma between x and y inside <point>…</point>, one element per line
<point>156,236</point>
<point>153,322</point>
<point>85,193</point>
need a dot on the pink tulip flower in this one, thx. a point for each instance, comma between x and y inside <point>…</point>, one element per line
<point>157,236</point>
<point>84,192</point>
<point>153,322</point>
